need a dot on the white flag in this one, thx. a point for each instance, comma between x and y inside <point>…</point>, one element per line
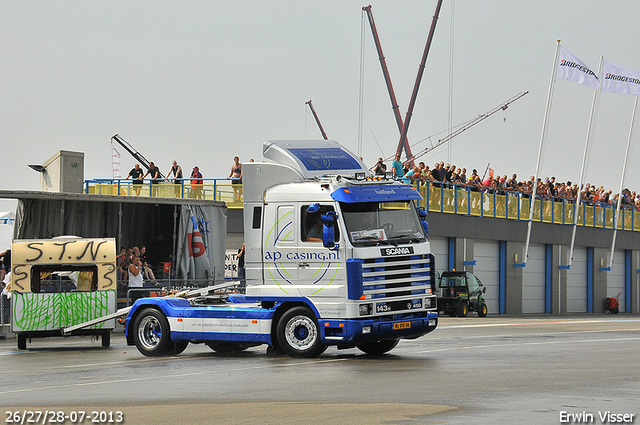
<point>573,69</point>
<point>620,80</point>
<point>115,161</point>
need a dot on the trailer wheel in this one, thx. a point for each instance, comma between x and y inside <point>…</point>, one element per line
<point>106,339</point>
<point>482,312</point>
<point>299,333</point>
<point>376,348</point>
<point>151,333</point>
<point>22,341</point>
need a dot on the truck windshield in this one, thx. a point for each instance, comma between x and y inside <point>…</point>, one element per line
<point>377,223</point>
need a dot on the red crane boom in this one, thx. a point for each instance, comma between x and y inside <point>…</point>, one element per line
<point>387,80</point>
<point>403,126</point>
<point>313,111</point>
<point>414,95</point>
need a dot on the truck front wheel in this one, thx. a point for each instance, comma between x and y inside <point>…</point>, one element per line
<point>375,348</point>
<point>482,312</point>
<point>299,334</point>
<point>151,333</point>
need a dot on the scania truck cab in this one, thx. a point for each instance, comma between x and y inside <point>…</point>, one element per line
<point>333,257</point>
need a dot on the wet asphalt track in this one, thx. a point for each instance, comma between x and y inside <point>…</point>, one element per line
<point>470,370</point>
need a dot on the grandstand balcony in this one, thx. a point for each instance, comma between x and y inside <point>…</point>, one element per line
<point>447,198</point>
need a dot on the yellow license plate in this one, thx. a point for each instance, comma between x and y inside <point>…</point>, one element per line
<point>402,325</point>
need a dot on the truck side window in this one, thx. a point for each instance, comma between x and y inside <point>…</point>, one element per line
<point>257,217</point>
<point>312,224</point>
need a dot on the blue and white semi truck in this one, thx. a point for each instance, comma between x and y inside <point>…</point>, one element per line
<point>333,257</point>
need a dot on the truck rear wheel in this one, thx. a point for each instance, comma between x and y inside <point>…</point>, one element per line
<point>151,333</point>
<point>175,348</point>
<point>375,348</point>
<point>299,334</point>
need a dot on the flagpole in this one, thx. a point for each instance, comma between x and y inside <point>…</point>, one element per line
<point>113,171</point>
<point>532,202</point>
<point>624,167</point>
<point>590,130</point>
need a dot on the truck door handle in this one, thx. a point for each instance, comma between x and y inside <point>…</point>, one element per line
<point>303,265</point>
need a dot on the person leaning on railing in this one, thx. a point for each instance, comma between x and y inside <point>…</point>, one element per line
<point>409,176</point>
<point>136,174</point>
<point>156,177</point>
<point>196,184</point>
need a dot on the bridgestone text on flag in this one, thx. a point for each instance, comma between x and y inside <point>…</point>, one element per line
<point>620,80</point>
<point>573,69</point>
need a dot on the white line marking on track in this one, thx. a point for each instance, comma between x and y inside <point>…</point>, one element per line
<point>537,333</point>
<point>570,322</point>
<point>475,347</point>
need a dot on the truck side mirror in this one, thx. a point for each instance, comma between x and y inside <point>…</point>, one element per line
<point>328,230</point>
<point>422,213</point>
<point>484,289</point>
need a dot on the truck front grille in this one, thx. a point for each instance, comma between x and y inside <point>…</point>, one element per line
<point>397,277</point>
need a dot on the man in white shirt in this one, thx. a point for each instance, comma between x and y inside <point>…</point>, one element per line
<point>135,277</point>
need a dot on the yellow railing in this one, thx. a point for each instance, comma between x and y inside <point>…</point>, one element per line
<point>515,206</point>
<point>230,194</point>
<point>451,199</point>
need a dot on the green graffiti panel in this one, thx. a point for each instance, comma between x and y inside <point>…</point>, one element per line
<point>45,312</point>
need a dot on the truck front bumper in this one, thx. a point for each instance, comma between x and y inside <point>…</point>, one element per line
<point>356,331</point>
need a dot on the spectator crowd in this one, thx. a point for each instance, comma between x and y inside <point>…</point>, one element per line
<point>446,175</point>
<point>441,175</point>
<point>195,180</point>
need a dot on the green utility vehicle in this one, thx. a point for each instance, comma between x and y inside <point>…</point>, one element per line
<point>459,292</point>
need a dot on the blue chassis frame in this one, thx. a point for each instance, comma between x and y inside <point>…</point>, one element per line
<point>339,331</point>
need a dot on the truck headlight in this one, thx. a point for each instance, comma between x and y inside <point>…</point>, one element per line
<point>365,309</point>
<point>367,329</point>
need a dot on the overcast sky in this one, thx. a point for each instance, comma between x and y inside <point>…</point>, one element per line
<point>203,81</point>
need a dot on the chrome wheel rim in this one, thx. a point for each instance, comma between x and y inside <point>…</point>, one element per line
<point>149,332</point>
<point>301,333</point>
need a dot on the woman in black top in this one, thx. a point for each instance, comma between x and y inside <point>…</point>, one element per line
<point>236,177</point>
